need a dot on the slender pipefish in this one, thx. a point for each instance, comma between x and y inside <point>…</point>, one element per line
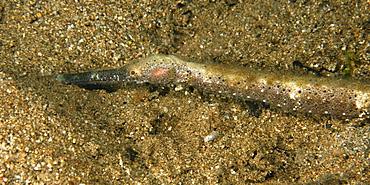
<point>302,93</point>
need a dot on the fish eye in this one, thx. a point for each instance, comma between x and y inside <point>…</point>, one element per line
<point>132,72</point>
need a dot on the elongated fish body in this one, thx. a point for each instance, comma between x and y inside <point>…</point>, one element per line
<point>309,94</point>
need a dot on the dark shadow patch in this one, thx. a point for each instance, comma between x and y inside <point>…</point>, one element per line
<point>131,154</point>
<point>231,3</point>
<point>162,90</point>
<point>254,108</point>
<point>309,69</point>
<point>108,88</point>
<point>157,125</point>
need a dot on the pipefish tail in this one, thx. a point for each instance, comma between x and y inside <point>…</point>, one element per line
<point>302,93</point>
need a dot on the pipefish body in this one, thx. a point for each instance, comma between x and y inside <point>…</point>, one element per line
<point>302,93</point>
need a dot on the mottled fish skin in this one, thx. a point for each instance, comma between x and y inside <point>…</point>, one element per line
<point>302,93</point>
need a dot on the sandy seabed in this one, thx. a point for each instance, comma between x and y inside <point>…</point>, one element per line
<point>53,133</point>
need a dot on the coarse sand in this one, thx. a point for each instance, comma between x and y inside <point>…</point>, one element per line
<point>52,133</point>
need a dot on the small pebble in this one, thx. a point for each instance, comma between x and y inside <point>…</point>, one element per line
<point>212,136</point>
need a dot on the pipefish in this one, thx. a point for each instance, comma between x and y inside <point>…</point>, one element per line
<point>302,93</point>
